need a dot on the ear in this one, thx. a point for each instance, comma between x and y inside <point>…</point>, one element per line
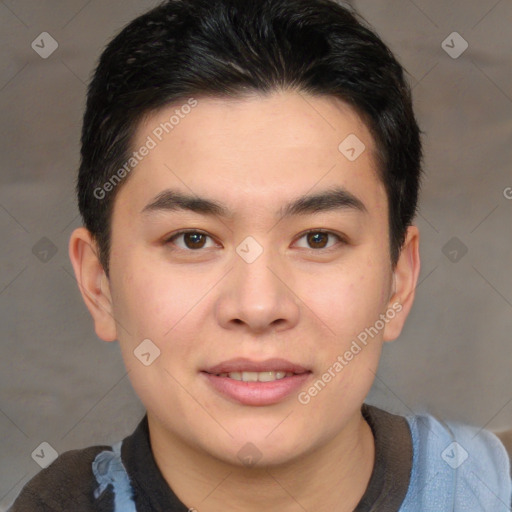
<point>93,282</point>
<point>406,275</point>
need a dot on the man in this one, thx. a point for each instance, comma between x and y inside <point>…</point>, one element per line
<point>249,179</point>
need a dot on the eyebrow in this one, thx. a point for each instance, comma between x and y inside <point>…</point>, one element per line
<point>336,198</point>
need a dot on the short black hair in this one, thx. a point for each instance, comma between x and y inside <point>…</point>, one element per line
<point>231,48</point>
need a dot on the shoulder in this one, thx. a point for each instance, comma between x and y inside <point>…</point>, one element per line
<point>66,484</point>
<point>469,465</point>
<point>461,441</point>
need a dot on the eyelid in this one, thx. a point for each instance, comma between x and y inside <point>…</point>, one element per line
<point>170,238</point>
<point>342,240</point>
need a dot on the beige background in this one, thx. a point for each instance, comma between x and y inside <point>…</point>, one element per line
<point>60,384</point>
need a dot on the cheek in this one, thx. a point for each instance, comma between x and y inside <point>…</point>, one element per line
<point>155,299</point>
<point>349,305</point>
<point>349,297</point>
<point>154,303</point>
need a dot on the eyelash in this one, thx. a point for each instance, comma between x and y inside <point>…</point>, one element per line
<point>341,240</point>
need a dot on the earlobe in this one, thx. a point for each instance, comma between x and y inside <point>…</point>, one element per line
<point>92,282</point>
<point>405,279</point>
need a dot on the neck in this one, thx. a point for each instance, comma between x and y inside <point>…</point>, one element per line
<point>332,477</point>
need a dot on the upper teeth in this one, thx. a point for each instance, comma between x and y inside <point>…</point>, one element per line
<point>256,376</point>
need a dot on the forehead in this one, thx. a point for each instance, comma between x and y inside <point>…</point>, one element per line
<point>254,151</point>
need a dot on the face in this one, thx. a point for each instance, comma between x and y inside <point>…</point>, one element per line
<point>257,276</point>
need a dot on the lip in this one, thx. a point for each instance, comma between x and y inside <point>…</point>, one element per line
<point>256,393</point>
<point>241,364</point>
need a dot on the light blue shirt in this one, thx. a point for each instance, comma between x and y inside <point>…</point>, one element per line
<point>456,467</point>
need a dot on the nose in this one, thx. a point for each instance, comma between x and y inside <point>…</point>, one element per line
<point>258,294</point>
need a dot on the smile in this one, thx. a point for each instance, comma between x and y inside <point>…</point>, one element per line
<point>257,376</point>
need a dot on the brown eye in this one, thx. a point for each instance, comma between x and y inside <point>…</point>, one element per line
<point>319,239</point>
<point>193,240</point>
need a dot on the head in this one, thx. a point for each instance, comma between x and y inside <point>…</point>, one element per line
<point>217,117</point>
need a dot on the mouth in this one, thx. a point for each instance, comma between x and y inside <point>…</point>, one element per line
<point>248,370</point>
<point>256,382</point>
<point>266,376</point>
